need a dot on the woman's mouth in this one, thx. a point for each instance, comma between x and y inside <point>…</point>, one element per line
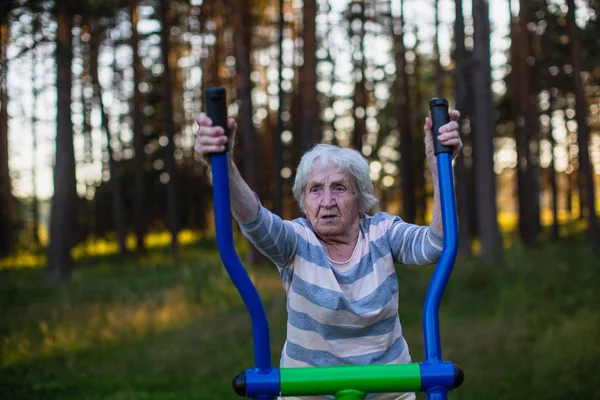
<point>328,217</point>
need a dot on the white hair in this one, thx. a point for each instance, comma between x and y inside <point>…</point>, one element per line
<point>349,161</point>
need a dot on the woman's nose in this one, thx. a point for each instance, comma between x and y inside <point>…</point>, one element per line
<point>328,200</point>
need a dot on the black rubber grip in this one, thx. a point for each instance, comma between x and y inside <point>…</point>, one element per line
<point>439,117</point>
<point>216,108</point>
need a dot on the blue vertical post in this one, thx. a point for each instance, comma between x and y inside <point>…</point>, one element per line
<point>217,111</point>
<point>431,328</point>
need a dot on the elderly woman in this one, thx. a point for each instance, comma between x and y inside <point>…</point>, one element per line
<point>337,264</point>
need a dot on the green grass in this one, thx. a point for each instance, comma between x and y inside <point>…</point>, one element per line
<point>148,328</point>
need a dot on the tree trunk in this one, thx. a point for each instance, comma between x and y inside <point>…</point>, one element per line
<point>277,145</point>
<point>533,134</point>
<point>583,134</point>
<point>35,215</point>
<point>462,195</point>
<point>118,205</point>
<point>439,76</point>
<point>553,177</point>
<point>485,178</point>
<point>139,141</point>
<point>357,10</point>
<point>546,85</point>
<point>403,117</point>
<point>63,209</point>
<point>172,220</point>
<point>243,32</point>
<point>525,127</point>
<point>310,126</point>
<point>6,200</point>
<point>418,144</point>
<point>572,178</point>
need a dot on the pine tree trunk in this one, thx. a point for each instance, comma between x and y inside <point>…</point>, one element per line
<point>310,126</point>
<point>172,215</point>
<point>250,147</point>
<point>35,215</point>
<point>546,84</point>
<point>485,178</point>
<point>418,143</point>
<point>439,77</point>
<point>403,116</point>
<point>462,195</point>
<point>63,209</point>
<point>360,92</point>
<point>139,141</point>
<point>583,134</point>
<point>6,200</point>
<point>277,144</point>
<point>553,177</point>
<point>525,127</point>
<point>118,205</point>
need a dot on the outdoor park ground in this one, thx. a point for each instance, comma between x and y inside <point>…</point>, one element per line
<point>143,327</point>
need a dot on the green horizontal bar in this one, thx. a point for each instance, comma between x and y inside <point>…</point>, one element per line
<point>366,378</point>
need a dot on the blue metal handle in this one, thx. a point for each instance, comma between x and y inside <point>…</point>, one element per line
<point>237,273</point>
<point>431,328</point>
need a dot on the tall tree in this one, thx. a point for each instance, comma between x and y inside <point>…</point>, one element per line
<point>63,208</point>
<point>439,73</point>
<point>403,116</point>
<point>172,220</point>
<point>243,43</point>
<point>485,178</point>
<point>583,134</point>
<point>552,168</point>
<point>524,106</point>
<point>6,200</point>
<point>546,86</point>
<point>461,86</point>
<point>277,145</point>
<point>357,32</point>
<point>35,215</point>
<point>417,87</point>
<point>138,135</point>
<point>310,125</point>
<point>118,205</point>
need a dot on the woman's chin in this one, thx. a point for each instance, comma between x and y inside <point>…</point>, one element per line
<point>329,231</point>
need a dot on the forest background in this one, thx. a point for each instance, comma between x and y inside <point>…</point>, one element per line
<point>110,282</point>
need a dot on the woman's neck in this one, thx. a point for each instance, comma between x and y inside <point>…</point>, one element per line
<point>340,249</point>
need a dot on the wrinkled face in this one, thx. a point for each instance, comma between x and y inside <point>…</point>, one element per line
<point>331,202</point>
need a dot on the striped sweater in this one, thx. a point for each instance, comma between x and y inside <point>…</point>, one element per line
<point>342,313</point>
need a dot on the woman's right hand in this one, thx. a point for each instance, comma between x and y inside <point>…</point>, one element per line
<point>212,139</point>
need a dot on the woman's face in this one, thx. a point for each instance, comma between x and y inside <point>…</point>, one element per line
<point>331,203</point>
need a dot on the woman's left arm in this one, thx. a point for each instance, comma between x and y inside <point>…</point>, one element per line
<point>448,136</point>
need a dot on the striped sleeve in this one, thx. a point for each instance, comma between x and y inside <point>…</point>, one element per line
<point>272,236</point>
<point>413,244</point>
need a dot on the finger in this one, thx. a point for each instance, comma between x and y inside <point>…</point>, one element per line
<point>449,135</point>
<point>210,149</point>
<point>428,125</point>
<point>210,131</point>
<point>450,126</point>
<point>203,119</point>
<point>211,140</point>
<point>451,142</point>
<point>454,115</point>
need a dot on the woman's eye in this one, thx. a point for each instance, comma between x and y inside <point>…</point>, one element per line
<point>314,189</point>
<point>340,189</point>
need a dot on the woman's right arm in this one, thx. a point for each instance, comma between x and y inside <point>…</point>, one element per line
<point>274,237</point>
<point>212,139</point>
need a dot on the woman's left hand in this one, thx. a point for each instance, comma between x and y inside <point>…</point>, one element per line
<point>448,136</point>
